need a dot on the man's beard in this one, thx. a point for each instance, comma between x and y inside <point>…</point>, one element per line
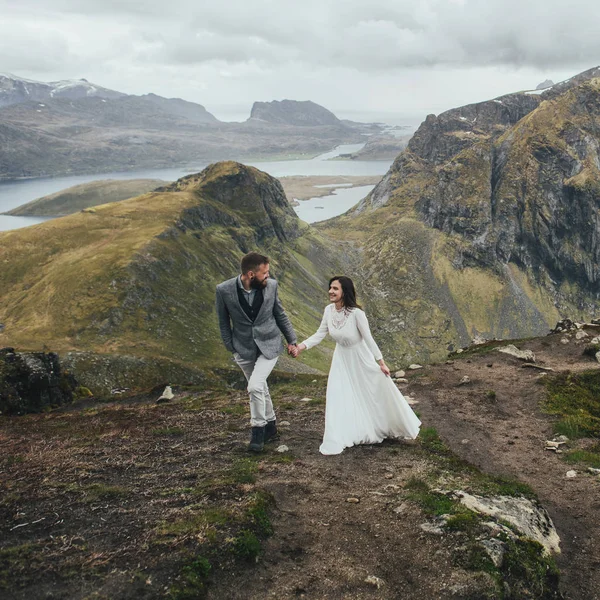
<point>255,284</point>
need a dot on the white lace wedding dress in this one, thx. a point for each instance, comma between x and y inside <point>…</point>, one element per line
<point>363,405</point>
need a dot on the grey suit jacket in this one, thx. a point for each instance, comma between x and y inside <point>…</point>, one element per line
<point>240,334</point>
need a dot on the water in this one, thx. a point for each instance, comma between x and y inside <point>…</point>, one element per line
<point>17,193</point>
<point>326,207</point>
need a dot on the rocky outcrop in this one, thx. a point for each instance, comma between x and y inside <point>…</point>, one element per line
<point>238,194</point>
<point>32,382</point>
<point>488,223</point>
<point>547,83</point>
<point>513,180</point>
<point>293,112</point>
<point>444,136</point>
<point>527,516</point>
<point>530,197</point>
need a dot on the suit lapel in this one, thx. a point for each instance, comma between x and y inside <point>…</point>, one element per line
<point>237,299</point>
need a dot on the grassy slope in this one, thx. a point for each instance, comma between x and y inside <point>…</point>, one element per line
<point>78,197</point>
<point>120,278</point>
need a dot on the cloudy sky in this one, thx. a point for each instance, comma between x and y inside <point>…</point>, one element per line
<point>389,60</point>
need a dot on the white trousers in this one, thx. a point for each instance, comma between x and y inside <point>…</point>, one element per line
<point>256,372</point>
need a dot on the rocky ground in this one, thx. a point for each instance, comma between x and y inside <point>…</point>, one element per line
<point>132,498</point>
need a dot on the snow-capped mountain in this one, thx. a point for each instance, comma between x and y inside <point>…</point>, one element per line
<point>14,90</point>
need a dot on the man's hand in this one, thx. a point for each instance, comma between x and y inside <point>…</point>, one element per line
<point>292,350</point>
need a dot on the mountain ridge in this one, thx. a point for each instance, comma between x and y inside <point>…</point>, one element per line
<point>14,90</point>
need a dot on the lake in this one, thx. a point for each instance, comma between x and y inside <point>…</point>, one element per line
<point>16,193</point>
<point>327,207</point>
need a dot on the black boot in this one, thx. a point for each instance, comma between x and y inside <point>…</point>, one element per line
<point>271,431</point>
<point>257,443</point>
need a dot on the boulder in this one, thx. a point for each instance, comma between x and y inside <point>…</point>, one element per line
<point>512,350</point>
<point>32,382</point>
<point>526,515</point>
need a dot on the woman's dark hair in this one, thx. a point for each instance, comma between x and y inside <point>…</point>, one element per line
<point>348,291</point>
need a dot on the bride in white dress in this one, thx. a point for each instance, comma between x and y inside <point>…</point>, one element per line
<point>364,406</point>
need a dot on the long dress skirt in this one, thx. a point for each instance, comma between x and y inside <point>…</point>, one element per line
<point>363,405</point>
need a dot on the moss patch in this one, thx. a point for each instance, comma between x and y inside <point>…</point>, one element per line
<point>575,400</point>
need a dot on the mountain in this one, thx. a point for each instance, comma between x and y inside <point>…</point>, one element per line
<point>14,90</point>
<point>487,223</point>
<point>545,84</point>
<point>293,112</point>
<point>85,195</point>
<point>123,285</point>
<point>100,135</point>
<point>196,113</point>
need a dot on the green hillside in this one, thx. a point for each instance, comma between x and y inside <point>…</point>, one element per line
<point>84,195</point>
<point>137,277</point>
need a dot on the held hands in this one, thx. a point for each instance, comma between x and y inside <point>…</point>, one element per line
<point>294,350</point>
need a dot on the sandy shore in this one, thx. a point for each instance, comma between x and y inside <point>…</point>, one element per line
<point>300,187</point>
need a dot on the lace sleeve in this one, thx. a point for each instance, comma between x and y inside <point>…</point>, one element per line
<point>319,335</point>
<point>365,332</point>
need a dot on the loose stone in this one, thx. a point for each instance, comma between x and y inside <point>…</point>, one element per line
<point>374,581</point>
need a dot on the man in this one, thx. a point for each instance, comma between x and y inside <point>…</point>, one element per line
<point>251,320</point>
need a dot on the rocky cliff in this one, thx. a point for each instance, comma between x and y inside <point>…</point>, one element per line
<point>488,222</point>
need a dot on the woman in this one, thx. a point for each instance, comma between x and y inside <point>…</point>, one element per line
<point>363,404</point>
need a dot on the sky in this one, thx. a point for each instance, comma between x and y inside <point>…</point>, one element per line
<point>376,60</point>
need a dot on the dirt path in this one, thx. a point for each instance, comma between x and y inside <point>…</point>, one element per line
<point>506,435</point>
<point>327,547</point>
<point>116,501</point>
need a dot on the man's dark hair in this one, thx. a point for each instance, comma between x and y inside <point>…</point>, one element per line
<point>252,261</point>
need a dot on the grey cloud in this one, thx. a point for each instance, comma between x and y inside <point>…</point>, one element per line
<point>367,37</point>
<point>24,48</point>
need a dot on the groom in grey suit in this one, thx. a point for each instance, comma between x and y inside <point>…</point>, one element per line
<point>251,320</point>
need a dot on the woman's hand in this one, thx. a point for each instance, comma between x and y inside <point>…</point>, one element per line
<point>384,368</point>
<point>301,347</point>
